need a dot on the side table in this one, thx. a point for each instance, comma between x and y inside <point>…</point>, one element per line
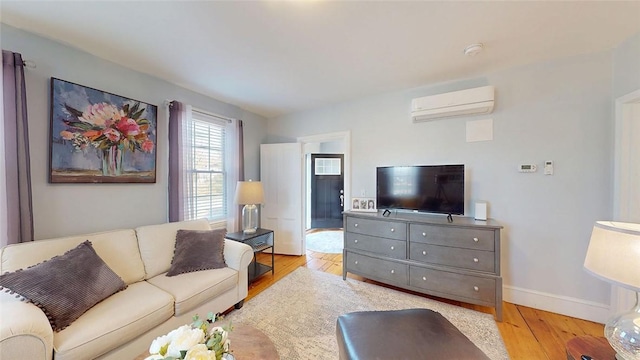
<point>261,240</point>
<point>597,348</point>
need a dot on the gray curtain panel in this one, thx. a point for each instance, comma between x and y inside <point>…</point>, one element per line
<point>240,167</point>
<point>16,151</point>
<point>176,117</point>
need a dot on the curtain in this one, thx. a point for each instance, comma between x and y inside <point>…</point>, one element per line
<point>16,210</point>
<point>240,165</point>
<point>179,162</point>
<point>235,171</point>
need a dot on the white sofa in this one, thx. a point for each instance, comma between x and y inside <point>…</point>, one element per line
<point>123,325</point>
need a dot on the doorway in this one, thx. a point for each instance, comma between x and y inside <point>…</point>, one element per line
<point>330,143</point>
<point>327,191</point>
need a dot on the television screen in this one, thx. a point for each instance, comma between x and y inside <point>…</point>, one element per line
<point>427,188</point>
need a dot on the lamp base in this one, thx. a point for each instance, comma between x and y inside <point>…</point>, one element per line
<point>623,333</point>
<point>249,219</point>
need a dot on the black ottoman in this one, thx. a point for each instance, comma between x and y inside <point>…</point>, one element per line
<point>402,334</point>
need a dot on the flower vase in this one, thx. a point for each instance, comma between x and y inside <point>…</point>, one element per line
<point>112,161</point>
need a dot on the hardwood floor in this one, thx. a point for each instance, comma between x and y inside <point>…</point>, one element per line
<point>528,333</point>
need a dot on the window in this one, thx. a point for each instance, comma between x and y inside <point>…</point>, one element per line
<point>205,176</point>
<point>327,166</point>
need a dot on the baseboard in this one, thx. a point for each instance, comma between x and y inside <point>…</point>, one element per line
<point>578,308</point>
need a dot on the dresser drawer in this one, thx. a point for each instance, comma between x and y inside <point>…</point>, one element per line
<point>450,256</point>
<point>396,249</point>
<point>395,273</point>
<point>472,287</point>
<point>477,239</point>
<point>381,228</point>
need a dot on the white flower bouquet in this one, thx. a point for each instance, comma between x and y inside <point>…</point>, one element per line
<point>198,341</point>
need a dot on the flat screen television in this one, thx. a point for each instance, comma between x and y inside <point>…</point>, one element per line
<point>425,188</point>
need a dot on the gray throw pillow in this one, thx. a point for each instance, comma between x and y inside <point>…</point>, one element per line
<point>65,286</point>
<point>198,250</point>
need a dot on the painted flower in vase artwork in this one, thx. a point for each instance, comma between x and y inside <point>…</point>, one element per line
<point>111,130</point>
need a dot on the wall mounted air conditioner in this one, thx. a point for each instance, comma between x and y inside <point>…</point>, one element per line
<point>465,102</point>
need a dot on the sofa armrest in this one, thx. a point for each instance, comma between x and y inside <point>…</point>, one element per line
<point>25,332</point>
<point>237,255</point>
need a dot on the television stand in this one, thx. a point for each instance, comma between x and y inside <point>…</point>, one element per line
<point>428,254</point>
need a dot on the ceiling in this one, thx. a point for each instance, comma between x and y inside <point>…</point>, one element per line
<point>280,57</point>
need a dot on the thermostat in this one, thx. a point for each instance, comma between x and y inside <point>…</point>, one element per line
<point>527,168</point>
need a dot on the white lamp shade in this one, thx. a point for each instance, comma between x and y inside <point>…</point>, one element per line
<point>614,253</point>
<point>249,193</point>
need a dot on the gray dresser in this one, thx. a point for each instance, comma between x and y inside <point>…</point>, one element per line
<point>425,253</point>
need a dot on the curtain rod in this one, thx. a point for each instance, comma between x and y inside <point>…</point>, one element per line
<point>29,64</point>
<point>227,119</point>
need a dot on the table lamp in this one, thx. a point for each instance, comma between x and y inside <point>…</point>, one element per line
<point>614,255</point>
<point>249,193</point>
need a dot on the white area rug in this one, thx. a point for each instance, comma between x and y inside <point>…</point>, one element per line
<point>330,242</point>
<point>300,311</point>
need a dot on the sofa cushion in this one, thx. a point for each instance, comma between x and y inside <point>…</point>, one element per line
<point>157,243</point>
<point>67,285</point>
<point>198,250</point>
<point>118,249</point>
<point>192,289</point>
<point>118,319</point>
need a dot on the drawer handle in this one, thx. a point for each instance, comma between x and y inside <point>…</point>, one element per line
<point>356,262</point>
<point>474,239</point>
<point>393,271</point>
<point>475,288</point>
<point>356,225</point>
<point>392,229</point>
<point>475,260</point>
<point>393,248</point>
<point>424,278</point>
<point>424,234</point>
<point>355,241</point>
<point>424,253</point>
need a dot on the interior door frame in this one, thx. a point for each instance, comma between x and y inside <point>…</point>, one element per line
<point>622,299</point>
<point>345,137</point>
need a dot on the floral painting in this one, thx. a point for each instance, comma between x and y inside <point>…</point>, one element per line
<point>99,137</point>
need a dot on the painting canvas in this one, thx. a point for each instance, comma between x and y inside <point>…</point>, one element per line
<point>99,137</point>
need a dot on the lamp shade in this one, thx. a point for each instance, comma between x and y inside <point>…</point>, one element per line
<point>249,193</point>
<point>614,253</point>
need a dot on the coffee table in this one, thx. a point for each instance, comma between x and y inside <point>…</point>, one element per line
<point>247,343</point>
<point>595,347</point>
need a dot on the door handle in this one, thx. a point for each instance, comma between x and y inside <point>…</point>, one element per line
<point>341,200</point>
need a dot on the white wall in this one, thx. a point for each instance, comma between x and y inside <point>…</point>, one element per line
<point>626,67</point>
<point>558,111</point>
<point>66,209</point>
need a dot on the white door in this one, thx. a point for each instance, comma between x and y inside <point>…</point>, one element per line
<point>626,179</point>
<point>281,176</point>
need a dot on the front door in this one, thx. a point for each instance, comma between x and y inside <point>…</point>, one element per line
<point>327,191</point>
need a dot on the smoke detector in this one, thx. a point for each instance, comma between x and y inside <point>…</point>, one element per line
<point>473,49</point>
